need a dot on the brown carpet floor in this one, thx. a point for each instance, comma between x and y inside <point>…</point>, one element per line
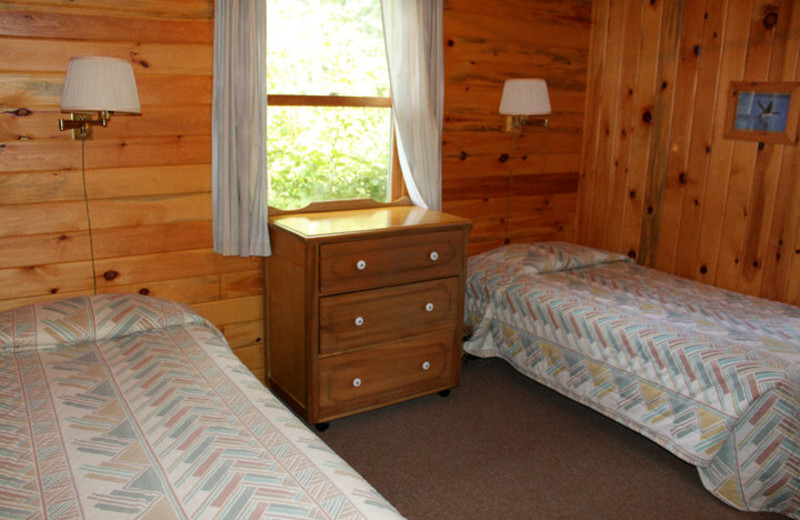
<point>504,447</point>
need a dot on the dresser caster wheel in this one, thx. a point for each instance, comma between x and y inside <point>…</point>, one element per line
<point>444,393</point>
<point>321,427</point>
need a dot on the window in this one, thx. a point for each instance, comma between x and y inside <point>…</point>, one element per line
<point>329,124</point>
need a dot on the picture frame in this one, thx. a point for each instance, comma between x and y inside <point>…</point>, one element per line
<point>763,111</point>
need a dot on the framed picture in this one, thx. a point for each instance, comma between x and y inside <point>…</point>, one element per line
<point>763,111</point>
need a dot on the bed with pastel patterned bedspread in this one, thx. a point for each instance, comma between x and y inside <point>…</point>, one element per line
<point>133,407</point>
<point>711,375</point>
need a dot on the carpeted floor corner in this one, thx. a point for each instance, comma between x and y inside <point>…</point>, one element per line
<point>504,447</point>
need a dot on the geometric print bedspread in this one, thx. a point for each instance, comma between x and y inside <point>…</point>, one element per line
<point>711,375</point>
<point>118,407</point>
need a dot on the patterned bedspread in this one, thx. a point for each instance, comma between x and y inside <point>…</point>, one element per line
<point>133,407</point>
<point>712,376</point>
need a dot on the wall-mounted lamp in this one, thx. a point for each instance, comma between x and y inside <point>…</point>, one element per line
<point>97,86</point>
<point>523,98</point>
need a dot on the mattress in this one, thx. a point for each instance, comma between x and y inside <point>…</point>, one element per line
<point>711,375</point>
<point>121,406</point>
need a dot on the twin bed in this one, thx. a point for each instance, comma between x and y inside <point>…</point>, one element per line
<point>124,406</point>
<point>710,375</point>
<point>134,407</point>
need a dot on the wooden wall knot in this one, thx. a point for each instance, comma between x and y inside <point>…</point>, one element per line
<point>110,275</point>
<point>21,112</point>
<point>503,158</point>
<point>770,20</point>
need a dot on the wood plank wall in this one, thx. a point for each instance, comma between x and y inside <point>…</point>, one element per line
<point>147,177</point>
<point>659,181</point>
<point>513,188</point>
<point>655,178</point>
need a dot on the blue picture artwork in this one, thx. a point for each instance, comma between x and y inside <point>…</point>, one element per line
<point>763,111</point>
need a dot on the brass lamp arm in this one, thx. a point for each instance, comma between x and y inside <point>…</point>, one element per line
<point>81,124</point>
<point>514,124</point>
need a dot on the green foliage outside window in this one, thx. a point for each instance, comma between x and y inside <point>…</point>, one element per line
<point>326,47</point>
<point>325,153</point>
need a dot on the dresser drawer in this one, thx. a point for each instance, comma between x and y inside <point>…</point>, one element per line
<point>368,378</point>
<point>361,264</point>
<point>365,318</point>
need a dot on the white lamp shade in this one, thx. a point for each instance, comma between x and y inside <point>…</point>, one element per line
<point>525,97</point>
<point>97,84</point>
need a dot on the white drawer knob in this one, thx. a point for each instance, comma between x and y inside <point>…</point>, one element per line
<point>357,382</point>
<point>434,256</point>
<point>360,265</point>
<point>359,321</point>
<point>426,365</point>
<point>429,306</point>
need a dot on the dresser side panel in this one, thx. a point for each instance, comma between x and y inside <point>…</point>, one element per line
<point>288,331</point>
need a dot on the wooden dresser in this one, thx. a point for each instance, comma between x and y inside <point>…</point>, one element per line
<point>364,307</point>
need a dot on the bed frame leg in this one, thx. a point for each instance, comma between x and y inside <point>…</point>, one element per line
<point>321,427</point>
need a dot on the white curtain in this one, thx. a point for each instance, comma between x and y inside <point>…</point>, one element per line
<point>413,33</point>
<point>239,128</point>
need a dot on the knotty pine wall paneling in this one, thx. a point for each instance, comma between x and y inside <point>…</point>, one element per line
<point>513,188</point>
<point>148,177</point>
<point>659,181</point>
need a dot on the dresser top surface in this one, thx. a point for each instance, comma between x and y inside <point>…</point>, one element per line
<point>390,218</point>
